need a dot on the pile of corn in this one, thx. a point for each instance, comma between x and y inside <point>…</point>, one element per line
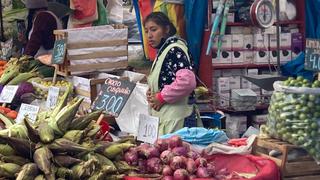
<point>60,145</point>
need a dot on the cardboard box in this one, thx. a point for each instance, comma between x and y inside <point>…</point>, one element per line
<point>262,118</point>
<point>272,41</point>
<point>285,40</point>
<point>237,57</point>
<point>230,17</point>
<point>260,41</point>
<point>217,73</point>
<point>225,57</point>
<point>248,41</point>
<point>226,42</point>
<point>253,71</point>
<point>266,93</point>
<point>270,30</point>
<point>232,72</point>
<point>235,82</point>
<point>273,56</point>
<point>248,57</point>
<point>261,57</point>
<point>285,56</point>
<point>223,84</point>
<point>224,99</point>
<point>237,42</point>
<point>245,84</point>
<point>235,125</point>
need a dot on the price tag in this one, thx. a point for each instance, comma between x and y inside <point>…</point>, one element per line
<point>8,93</point>
<point>52,98</point>
<point>312,55</point>
<point>59,51</point>
<point>27,110</point>
<point>148,128</point>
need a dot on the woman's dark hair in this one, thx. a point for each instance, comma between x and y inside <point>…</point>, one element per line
<point>162,20</point>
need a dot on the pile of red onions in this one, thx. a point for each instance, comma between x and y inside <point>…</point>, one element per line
<point>172,158</point>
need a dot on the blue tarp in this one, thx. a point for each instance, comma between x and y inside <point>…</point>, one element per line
<point>200,136</point>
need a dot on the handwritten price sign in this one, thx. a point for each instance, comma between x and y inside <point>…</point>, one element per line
<point>59,51</point>
<point>113,95</point>
<point>148,128</point>
<point>28,110</point>
<point>8,93</point>
<point>312,57</point>
<point>52,98</point>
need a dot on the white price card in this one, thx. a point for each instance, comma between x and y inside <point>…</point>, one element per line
<point>53,96</point>
<point>27,110</point>
<point>148,128</point>
<point>8,93</point>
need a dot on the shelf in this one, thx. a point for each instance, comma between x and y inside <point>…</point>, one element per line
<point>236,66</point>
<point>281,23</point>
<point>259,107</point>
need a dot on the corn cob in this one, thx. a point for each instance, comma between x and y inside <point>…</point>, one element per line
<point>64,173</point>
<point>74,135</point>
<point>94,129</point>
<point>123,167</point>
<point>66,161</point>
<point>62,103</point>
<point>23,147</point>
<point>9,73</point>
<point>65,146</point>
<point>28,172</point>
<point>6,150</point>
<point>22,77</point>
<point>9,170</point>
<point>42,157</point>
<point>14,159</point>
<point>84,169</point>
<point>103,161</point>
<point>33,134</point>
<point>40,177</point>
<point>111,151</point>
<point>46,133</point>
<point>83,121</point>
<point>17,131</point>
<point>88,143</point>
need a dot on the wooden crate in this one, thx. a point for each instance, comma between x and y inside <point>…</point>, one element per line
<point>67,69</point>
<point>300,166</point>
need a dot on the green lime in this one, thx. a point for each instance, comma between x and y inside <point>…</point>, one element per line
<point>310,104</point>
<point>314,125</point>
<point>300,78</point>
<point>313,133</point>
<point>312,97</point>
<point>312,151</point>
<point>290,78</point>
<point>302,116</point>
<point>305,81</point>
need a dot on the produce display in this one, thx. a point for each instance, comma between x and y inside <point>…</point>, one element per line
<point>294,114</point>
<point>42,86</point>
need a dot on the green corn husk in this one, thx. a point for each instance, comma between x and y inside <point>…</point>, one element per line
<point>16,130</point>
<point>7,121</point>
<point>40,177</point>
<point>33,134</point>
<point>64,173</point>
<point>22,77</point>
<point>113,150</point>
<point>28,172</point>
<point>83,121</point>
<point>123,166</point>
<point>103,161</point>
<point>9,73</point>
<point>115,177</point>
<point>66,146</point>
<point>42,157</point>
<point>61,122</point>
<point>88,143</point>
<point>94,129</point>
<point>9,170</point>
<point>14,159</point>
<point>23,147</point>
<point>74,135</point>
<point>66,161</point>
<point>6,150</point>
<point>46,133</point>
<point>62,103</point>
<point>84,169</point>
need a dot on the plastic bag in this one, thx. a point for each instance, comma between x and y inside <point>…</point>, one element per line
<point>294,115</point>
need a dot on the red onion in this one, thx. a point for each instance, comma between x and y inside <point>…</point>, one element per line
<point>191,166</point>
<point>202,172</point>
<point>174,141</point>
<point>149,152</point>
<point>186,145</point>
<point>166,156</point>
<point>142,165</point>
<point>180,151</point>
<point>131,157</point>
<point>167,178</point>
<point>192,177</point>
<point>167,171</point>
<point>201,162</point>
<point>162,144</point>
<point>193,155</point>
<point>177,163</point>
<point>180,174</point>
<point>154,165</point>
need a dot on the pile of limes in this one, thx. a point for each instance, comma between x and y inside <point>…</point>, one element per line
<point>295,117</point>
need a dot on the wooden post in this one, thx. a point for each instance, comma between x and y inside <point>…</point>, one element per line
<point>100,118</point>
<point>54,80</point>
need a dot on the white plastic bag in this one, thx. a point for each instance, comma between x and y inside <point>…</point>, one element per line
<point>128,119</point>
